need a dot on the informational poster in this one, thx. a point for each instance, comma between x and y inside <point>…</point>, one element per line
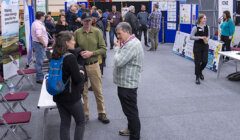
<point>183,46</point>
<point>185,13</point>
<point>163,5</point>
<point>171,26</point>
<point>172,16</point>
<point>41,6</point>
<point>10,32</point>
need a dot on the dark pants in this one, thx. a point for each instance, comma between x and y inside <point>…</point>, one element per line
<point>128,99</point>
<point>200,58</point>
<point>143,29</point>
<point>66,112</point>
<point>227,44</point>
<point>111,35</point>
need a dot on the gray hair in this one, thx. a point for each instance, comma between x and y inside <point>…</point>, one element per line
<point>125,27</point>
<point>132,8</point>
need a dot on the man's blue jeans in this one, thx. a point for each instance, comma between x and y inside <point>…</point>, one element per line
<point>111,34</point>
<point>39,54</point>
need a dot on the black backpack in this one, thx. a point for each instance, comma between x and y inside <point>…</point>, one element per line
<point>234,76</point>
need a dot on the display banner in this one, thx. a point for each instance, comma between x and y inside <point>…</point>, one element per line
<point>27,31</point>
<point>183,46</point>
<point>10,32</point>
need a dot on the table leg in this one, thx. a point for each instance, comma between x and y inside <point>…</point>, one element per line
<point>44,121</point>
<point>220,63</point>
<point>236,65</point>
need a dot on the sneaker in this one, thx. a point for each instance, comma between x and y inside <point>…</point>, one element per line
<point>103,118</point>
<point>124,132</point>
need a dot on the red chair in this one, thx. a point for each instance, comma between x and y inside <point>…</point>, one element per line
<point>24,73</point>
<point>13,120</point>
<point>15,98</point>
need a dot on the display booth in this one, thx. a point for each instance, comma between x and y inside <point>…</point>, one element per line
<point>169,24</point>
<point>10,35</point>
<point>183,46</point>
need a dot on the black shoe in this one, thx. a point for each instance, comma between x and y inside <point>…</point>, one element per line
<point>90,89</point>
<point>124,132</point>
<point>111,48</point>
<point>103,118</point>
<point>201,77</point>
<point>39,82</point>
<point>151,49</point>
<point>147,45</point>
<point>198,81</point>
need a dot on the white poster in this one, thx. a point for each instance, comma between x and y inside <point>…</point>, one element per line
<point>171,26</point>
<point>224,5</point>
<point>163,5</point>
<point>27,31</point>
<point>10,31</point>
<point>183,46</point>
<point>41,6</point>
<point>185,13</point>
<point>194,14</point>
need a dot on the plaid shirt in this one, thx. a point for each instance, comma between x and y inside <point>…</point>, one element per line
<point>155,19</point>
<point>128,61</point>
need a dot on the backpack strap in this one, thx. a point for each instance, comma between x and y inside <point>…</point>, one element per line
<point>69,80</point>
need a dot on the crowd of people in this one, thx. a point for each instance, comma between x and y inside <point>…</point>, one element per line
<point>82,32</point>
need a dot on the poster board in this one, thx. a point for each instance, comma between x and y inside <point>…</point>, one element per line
<point>185,13</point>
<point>10,32</point>
<point>183,46</point>
<point>224,5</point>
<point>41,5</point>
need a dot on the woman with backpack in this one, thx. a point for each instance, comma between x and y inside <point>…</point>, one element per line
<point>69,102</point>
<point>200,34</point>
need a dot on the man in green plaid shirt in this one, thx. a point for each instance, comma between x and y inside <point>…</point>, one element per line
<point>128,61</point>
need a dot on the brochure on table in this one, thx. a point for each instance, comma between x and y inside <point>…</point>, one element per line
<point>183,46</point>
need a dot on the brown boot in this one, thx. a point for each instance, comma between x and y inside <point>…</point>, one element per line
<point>103,118</point>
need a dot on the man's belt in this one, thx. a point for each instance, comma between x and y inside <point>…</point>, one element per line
<point>90,63</point>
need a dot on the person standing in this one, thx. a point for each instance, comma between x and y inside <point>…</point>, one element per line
<point>74,22</point>
<point>200,34</point>
<point>40,42</point>
<point>90,40</point>
<point>143,20</point>
<point>131,18</point>
<point>155,25</point>
<point>114,17</point>
<point>69,102</point>
<point>128,61</point>
<point>227,31</point>
<point>61,25</point>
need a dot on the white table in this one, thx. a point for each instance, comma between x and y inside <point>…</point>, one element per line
<point>45,102</point>
<point>231,54</point>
